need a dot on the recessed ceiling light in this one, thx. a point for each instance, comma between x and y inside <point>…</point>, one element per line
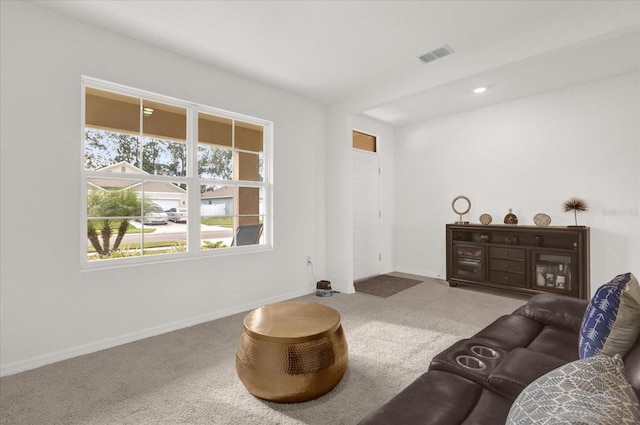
<point>479,90</point>
<point>147,111</point>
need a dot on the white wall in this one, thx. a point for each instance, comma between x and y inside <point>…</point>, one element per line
<point>339,204</point>
<point>51,309</point>
<point>530,155</point>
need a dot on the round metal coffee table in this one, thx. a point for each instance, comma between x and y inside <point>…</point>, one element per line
<point>292,351</point>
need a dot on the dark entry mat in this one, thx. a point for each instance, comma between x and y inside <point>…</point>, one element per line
<point>384,285</point>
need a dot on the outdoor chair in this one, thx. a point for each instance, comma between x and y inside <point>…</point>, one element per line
<point>247,234</point>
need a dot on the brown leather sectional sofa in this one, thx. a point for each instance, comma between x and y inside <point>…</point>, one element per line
<point>501,360</point>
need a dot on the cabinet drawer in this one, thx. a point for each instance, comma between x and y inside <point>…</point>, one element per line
<point>507,265</point>
<point>516,279</point>
<point>507,253</point>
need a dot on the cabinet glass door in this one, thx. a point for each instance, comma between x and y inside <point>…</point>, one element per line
<point>554,271</point>
<point>468,262</point>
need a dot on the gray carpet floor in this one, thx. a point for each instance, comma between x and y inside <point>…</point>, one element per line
<point>188,376</point>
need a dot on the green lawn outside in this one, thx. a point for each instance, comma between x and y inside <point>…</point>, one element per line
<point>115,224</point>
<point>217,221</point>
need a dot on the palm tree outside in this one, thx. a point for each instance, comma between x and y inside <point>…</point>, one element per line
<point>110,210</point>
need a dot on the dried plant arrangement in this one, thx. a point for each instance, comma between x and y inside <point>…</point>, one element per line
<point>575,204</point>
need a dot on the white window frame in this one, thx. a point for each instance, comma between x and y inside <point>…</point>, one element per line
<point>192,180</point>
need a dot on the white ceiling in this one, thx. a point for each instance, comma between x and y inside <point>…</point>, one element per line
<point>363,54</point>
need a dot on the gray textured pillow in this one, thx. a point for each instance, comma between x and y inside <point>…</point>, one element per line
<point>592,391</point>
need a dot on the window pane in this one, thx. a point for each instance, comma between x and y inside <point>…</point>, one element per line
<point>164,121</point>
<point>111,111</point>
<point>164,157</point>
<point>250,166</point>
<point>160,234</point>
<point>248,204</point>
<point>216,231</point>
<point>112,206</point>
<point>220,232</point>
<point>214,130</point>
<point>215,162</point>
<point>216,200</point>
<point>364,141</point>
<point>166,194</point>
<point>113,198</point>
<point>103,149</point>
<point>249,137</point>
<point>224,209</point>
<point>216,214</point>
<point>249,223</point>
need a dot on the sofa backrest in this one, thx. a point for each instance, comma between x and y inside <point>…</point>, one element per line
<point>632,364</point>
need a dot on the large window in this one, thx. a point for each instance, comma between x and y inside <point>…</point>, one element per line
<point>166,178</point>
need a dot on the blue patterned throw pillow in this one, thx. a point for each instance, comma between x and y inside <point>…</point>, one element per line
<point>611,323</point>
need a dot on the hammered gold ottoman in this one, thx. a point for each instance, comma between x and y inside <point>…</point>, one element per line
<point>292,351</point>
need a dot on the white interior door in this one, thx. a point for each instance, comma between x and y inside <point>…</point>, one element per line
<point>366,214</point>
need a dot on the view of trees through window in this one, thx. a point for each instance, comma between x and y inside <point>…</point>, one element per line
<point>139,172</point>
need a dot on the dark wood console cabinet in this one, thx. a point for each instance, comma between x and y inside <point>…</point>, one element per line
<point>524,259</point>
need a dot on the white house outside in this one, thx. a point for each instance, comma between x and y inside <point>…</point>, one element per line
<point>167,195</point>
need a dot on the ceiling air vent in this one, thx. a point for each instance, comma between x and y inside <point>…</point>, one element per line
<point>436,54</point>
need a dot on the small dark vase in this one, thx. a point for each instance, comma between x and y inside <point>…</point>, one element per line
<point>510,218</point>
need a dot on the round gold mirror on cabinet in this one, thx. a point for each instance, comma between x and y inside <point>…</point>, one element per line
<point>461,205</point>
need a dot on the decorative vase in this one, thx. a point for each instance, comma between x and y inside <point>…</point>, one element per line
<point>486,219</point>
<point>510,218</point>
<point>542,220</point>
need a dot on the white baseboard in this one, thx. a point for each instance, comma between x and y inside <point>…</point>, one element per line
<point>56,356</point>
<point>345,289</point>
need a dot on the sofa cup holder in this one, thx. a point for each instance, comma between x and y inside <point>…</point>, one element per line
<point>486,352</point>
<point>470,362</point>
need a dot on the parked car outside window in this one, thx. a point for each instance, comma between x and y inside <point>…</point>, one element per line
<point>155,215</point>
<point>177,215</point>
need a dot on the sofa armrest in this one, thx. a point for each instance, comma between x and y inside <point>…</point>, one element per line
<point>556,310</point>
<point>520,368</point>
